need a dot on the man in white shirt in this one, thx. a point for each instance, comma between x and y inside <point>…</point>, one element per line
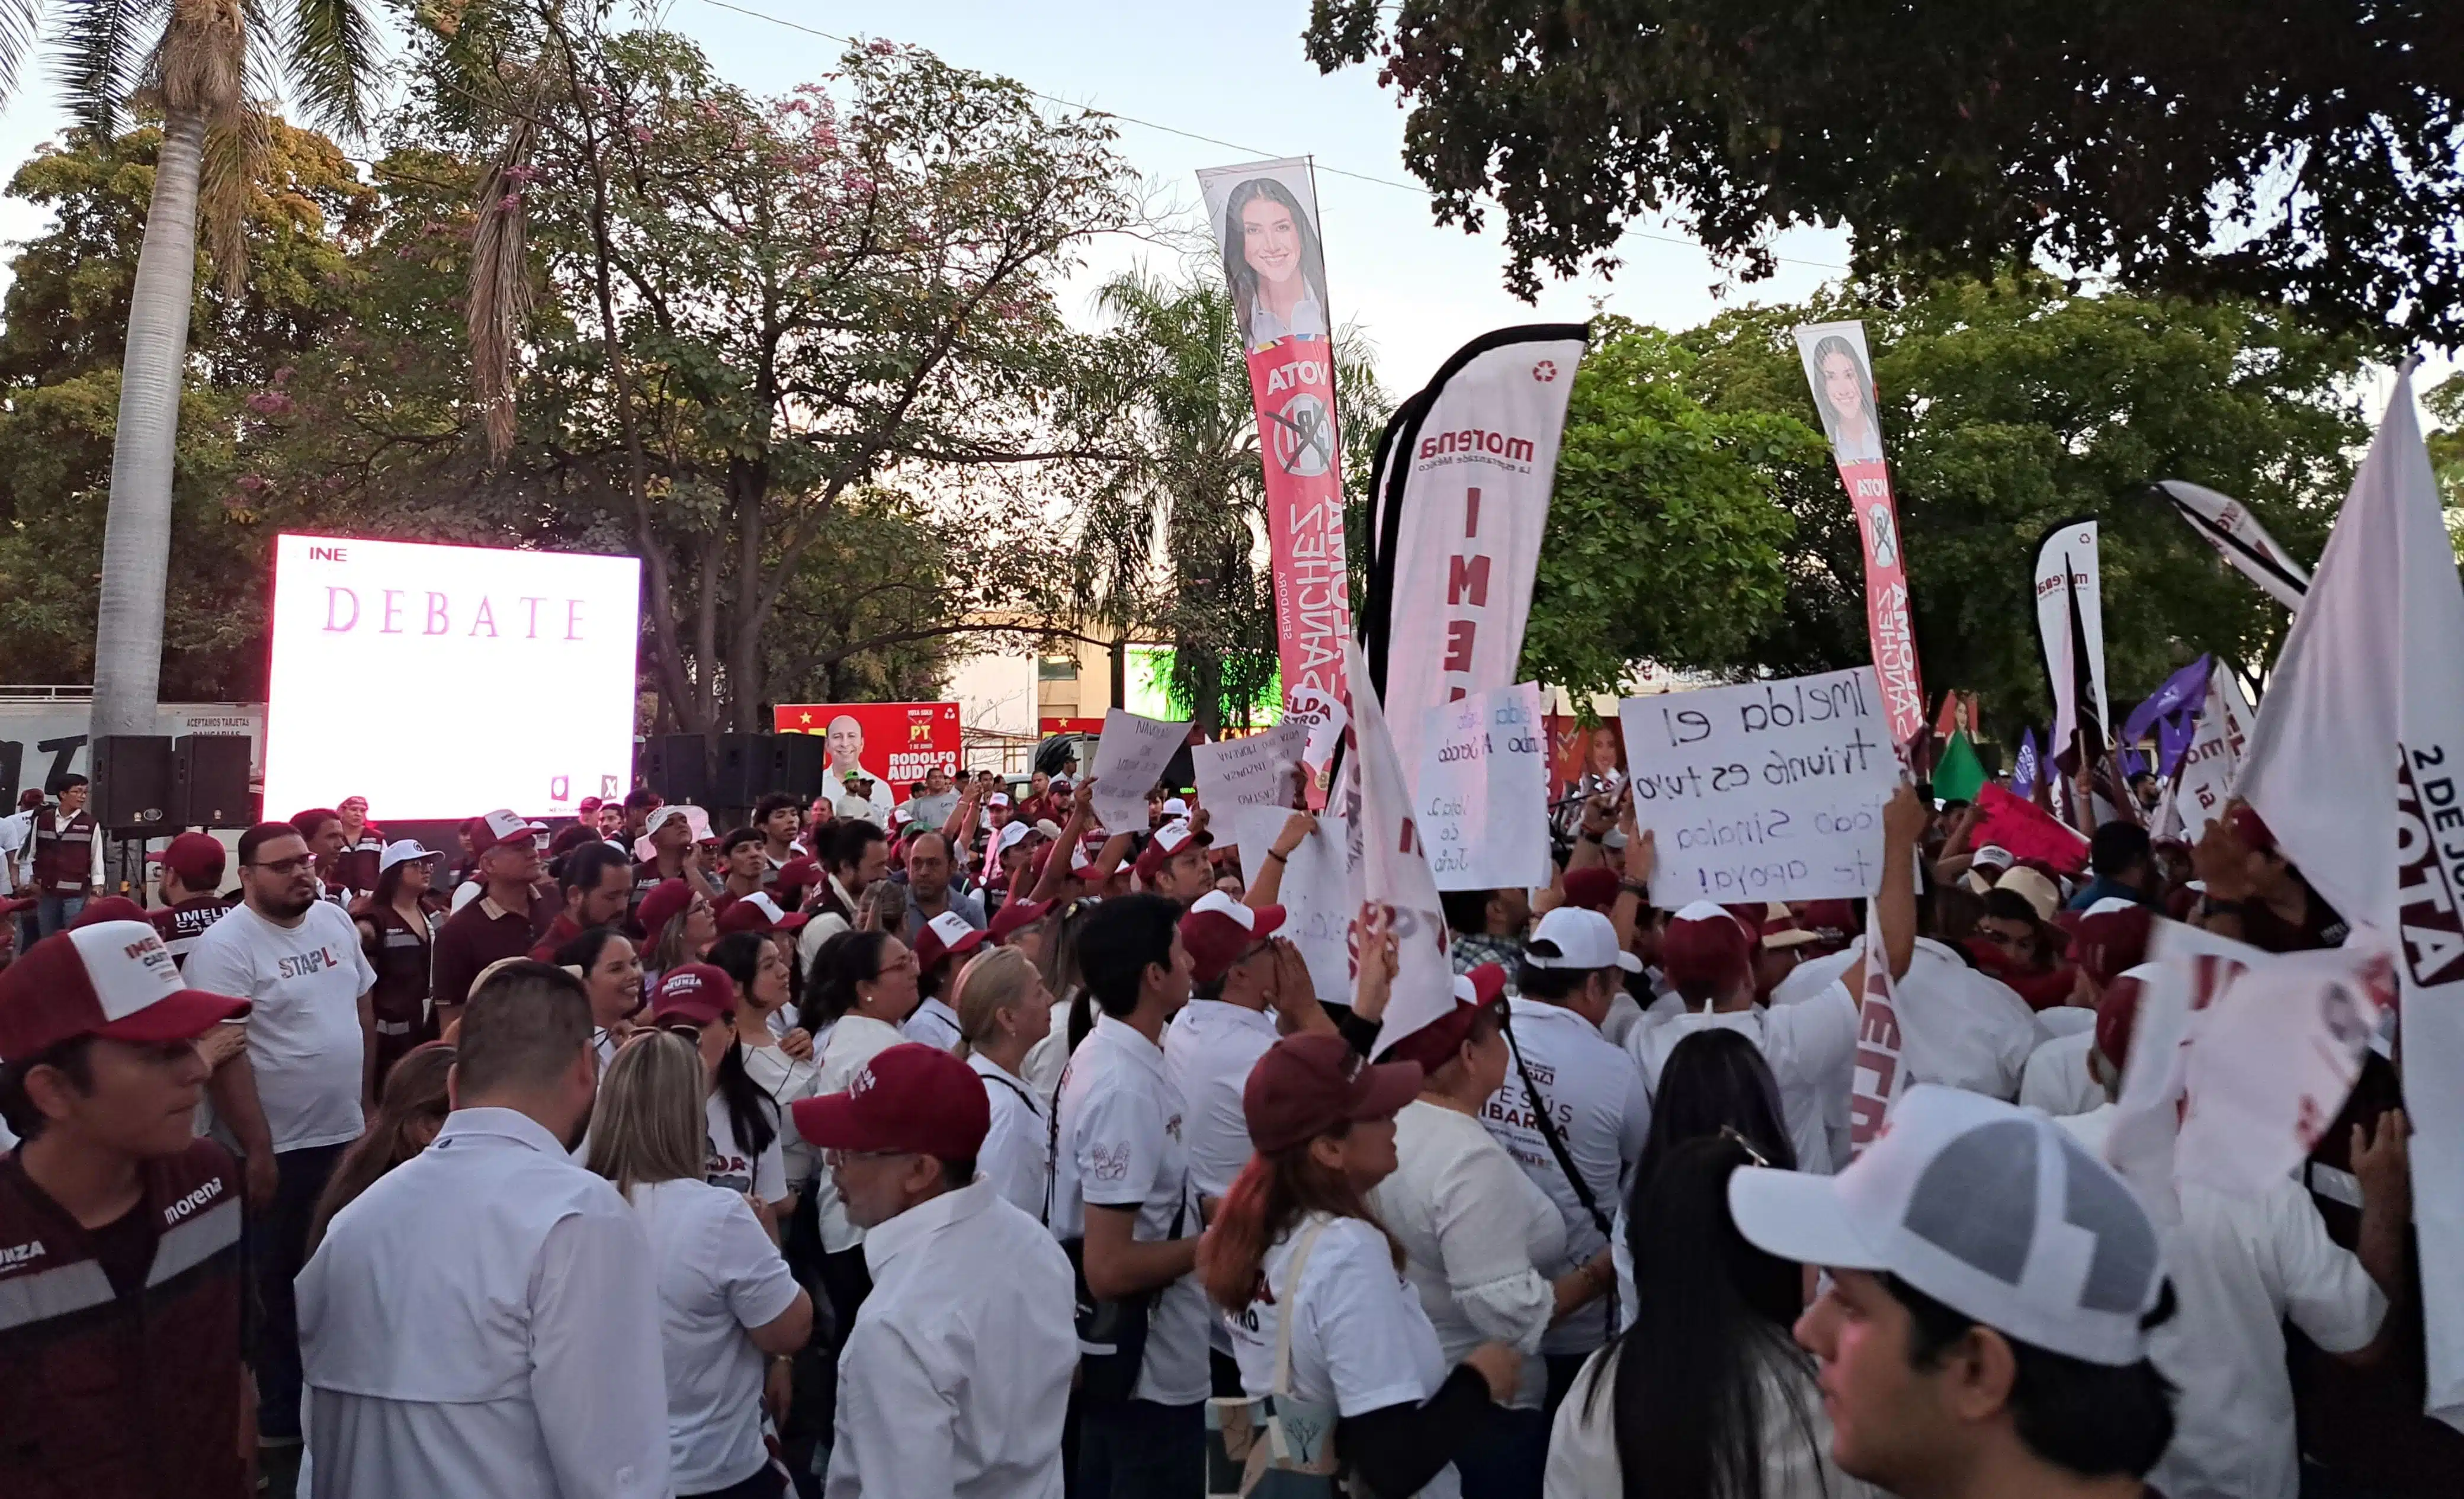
<point>483,1322</point>
<point>954,1379</point>
<point>1588,1094</point>
<point>1120,1183</point>
<point>2244,1265</point>
<point>297,1096</point>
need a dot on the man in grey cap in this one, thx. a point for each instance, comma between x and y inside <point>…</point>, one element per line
<point>1985,1332</point>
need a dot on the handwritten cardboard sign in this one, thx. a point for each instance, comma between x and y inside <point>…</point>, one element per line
<point>1129,759</point>
<point>1768,791</point>
<point>1482,795</point>
<point>1315,894</point>
<point>1252,771</point>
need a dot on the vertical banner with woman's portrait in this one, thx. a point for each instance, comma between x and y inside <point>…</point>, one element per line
<point>1264,215</point>
<point>1842,378</point>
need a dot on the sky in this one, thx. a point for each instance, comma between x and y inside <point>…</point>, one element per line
<point>1235,73</point>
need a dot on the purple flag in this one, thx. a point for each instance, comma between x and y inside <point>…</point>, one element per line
<point>2132,763</point>
<point>2174,736</point>
<point>2182,695</point>
<point>2023,770</point>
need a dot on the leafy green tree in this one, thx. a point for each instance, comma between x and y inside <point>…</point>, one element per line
<point>2012,405</point>
<point>2301,153</point>
<point>1666,540</point>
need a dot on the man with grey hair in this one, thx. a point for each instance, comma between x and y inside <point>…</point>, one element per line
<point>483,1320</point>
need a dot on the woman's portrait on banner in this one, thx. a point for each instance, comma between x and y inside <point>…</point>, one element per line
<point>1843,392</point>
<point>1273,263</point>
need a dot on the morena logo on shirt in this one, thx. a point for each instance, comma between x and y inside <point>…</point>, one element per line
<point>1111,1163</point>
<point>862,1083</point>
<point>299,965</point>
<point>194,1201</point>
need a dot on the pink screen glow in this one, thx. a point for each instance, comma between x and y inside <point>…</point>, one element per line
<point>445,681</point>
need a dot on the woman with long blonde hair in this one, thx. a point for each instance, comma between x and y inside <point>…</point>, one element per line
<point>726,1299</point>
<point>1004,1010</point>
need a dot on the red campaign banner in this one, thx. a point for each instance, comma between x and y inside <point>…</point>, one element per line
<point>1841,373</point>
<point>1049,726</point>
<point>1575,752</point>
<point>895,744</point>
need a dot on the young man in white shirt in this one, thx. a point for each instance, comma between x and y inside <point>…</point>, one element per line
<point>954,1379</point>
<point>1120,1183</point>
<point>483,1321</point>
<point>299,1097</point>
<point>2244,1265</point>
<point>1588,1094</point>
<point>1984,1333</point>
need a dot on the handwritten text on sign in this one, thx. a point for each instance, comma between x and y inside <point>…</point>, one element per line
<point>1481,797</point>
<point>1770,791</point>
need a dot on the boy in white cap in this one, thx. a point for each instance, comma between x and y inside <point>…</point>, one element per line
<point>1985,1332</point>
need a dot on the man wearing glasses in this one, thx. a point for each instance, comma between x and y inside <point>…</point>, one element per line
<point>298,1096</point>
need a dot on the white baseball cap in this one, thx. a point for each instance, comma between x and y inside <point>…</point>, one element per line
<point>697,823</point>
<point>1992,856</point>
<point>1991,1209</point>
<point>401,851</point>
<point>1577,938</point>
<point>1174,806</point>
<point>1012,834</point>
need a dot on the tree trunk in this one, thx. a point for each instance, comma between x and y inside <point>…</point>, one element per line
<point>137,530</point>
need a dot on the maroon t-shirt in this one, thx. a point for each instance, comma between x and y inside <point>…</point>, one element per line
<point>2320,927</point>
<point>180,926</point>
<point>479,934</point>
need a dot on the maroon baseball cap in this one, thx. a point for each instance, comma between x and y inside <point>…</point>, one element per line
<point>758,913</point>
<point>1308,1084</point>
<point>798,875</point>
<point>1835,921</point>
<point>1434,1045</point>
<point>1219,931</point>
<point>666,900</point>
<point>2111,938</point>
<point>697,992</point>
<point>910,1098</point>
<point>109,908</point>
<point>1015,915</point>
<point>944,936</point>
<point>113,979</point>
<point>1593,887</point>
<point>2250,828</point>
<point>1705,943</point>
<point>197,858</point>
<point>1168,841</point>
<point>493,827</point>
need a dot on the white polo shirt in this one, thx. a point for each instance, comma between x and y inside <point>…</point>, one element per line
<point>933,1023</point>
<point>2056,1078</point>
<point>1207,1051</point>
<point>1811,1049</point>
<point>1360,1342</point>
<point>853,1041</point>
<point>956,1375</point>
<point>482,1322</point>
<point>1016,1155</point>
<point>1122,1146</point>
<point>729,1165</point>
<point>718,1274</point>
<point>2242,1267</point>
<point>1596,1098</point>
<point>306,1043</point>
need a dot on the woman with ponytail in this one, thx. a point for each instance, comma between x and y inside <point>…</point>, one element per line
<point>1295,1240</point>
<point>1002,1013</point>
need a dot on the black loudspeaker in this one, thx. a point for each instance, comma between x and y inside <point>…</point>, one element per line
<point>132,774</point>
<point>800,764</point>
<point>209,781</point>
<point>745,764</point>
<point>678,767</point>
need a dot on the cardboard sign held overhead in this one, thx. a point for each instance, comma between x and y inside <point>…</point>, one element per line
<point>1128,760</point>
<point>1252,771</point>
<point>1482,795</point>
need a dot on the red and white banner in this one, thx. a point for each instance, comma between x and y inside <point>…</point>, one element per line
<point>1386,865</point>
<point>2226,525</point>
<point>2069,589</point>
<point>1457,516</point>
<point>1263,214</point>
<point>1879,1078</point>
<point>2357,763</point>
<point>895,744</point>
<point>1841,375</point>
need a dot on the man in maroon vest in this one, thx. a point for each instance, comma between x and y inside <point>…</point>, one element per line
<point>193,882</point>
<point>120,1231</point>
<point>64,870</point>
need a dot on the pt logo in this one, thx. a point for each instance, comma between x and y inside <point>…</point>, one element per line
<point>1303,436</point>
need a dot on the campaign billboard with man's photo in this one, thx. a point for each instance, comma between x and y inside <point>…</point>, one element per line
<point>895,744</point>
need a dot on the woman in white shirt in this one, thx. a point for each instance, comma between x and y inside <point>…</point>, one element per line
<point>864,989</point>
<point>1706,1394</point>
<point>725,1297</point>
<point>1474,1228</point>
<point>1310,1283</point>
<point>611,970</point>
<point>753,962</point>
<point>1002,1013</point>
<point>744,1153</point>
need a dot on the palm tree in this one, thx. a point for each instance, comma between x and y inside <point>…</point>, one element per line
<point>197,61</point>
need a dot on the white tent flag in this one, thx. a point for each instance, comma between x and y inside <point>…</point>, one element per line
<point>1389,868</point>
<point>2226,525</point>
<point>2356,765</point>
<point>2199,794</point>
<point>1458,514</point>
<point>2069,552</point>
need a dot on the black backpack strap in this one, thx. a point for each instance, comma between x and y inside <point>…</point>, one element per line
<point>1541,1113</point>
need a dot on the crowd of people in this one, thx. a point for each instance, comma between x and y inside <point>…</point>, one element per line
<point>983,1150</point>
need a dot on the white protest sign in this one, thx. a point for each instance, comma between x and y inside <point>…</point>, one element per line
<point>2214,757</point>
<point>1252,771</point>
<point>1768,791</point>
<point>1482,794</point>
<point>1315,897</point>
<point>1128,760</point>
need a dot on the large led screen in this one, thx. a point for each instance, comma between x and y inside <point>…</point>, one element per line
<point>445,681</point>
